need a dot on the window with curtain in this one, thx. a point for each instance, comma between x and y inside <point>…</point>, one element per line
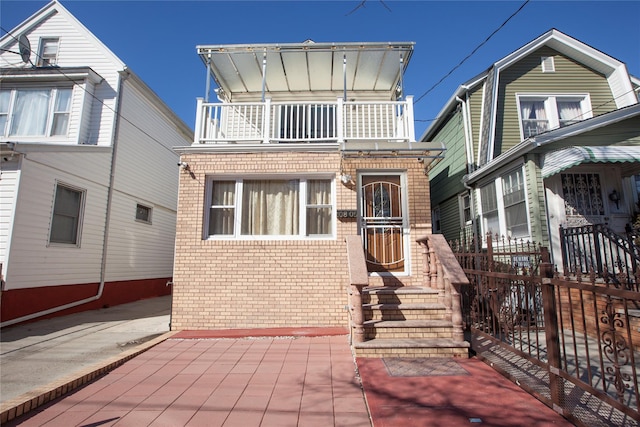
<point>534,118</point>
<point>67,215</point>
<point>271,207</point>
<point>542,113</point>
<point>515,207</point>
<point>35,112</point>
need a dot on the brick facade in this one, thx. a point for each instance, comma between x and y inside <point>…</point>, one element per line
<point>221,284</point>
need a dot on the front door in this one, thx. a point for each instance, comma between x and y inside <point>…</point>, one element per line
<point>382,222</point>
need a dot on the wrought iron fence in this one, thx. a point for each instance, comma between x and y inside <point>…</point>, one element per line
<point>609,255</point>
<point>573,342</point>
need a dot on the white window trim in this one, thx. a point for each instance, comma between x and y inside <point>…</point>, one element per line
<point>41,47</point>
<point>550,100</point>
<point>461,197</point>
<point>53,88</point>
<point>406,229</point>
<point>302,226</point>
<point>502,221</point>
<point>83,199</point>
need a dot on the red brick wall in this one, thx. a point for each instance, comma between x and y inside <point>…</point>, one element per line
<point>222,284</point>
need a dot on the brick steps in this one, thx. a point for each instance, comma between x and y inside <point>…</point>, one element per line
<point>406,322</point>
<point>439,347</point>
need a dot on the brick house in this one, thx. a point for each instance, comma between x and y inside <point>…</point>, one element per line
<point>307,144</point>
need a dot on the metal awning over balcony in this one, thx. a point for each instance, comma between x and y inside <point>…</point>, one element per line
<point>309,66</point>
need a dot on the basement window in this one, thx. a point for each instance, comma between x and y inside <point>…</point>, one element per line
<point>143,213</point>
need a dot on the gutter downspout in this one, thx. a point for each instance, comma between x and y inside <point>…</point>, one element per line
<point>103,263</point>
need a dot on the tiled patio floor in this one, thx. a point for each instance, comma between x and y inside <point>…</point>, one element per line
<point>268,381</point>
<point>302,378</point>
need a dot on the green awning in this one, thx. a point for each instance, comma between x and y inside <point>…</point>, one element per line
<point>557,161</point>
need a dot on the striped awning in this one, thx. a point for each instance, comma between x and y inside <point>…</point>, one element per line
<point>557,161</point>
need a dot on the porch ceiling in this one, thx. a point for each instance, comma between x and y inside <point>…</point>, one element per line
<point>308,66</point>
<point>627,156</point>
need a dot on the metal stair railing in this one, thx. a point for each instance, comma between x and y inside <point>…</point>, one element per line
<point>599,250</point>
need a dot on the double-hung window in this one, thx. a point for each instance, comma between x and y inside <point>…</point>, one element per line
<point>504,212</point>
<point>489,204</point>
<point>540,113</point>
<point>515,206</point>
<point>67,215</point>
<point>35,111</point>
<point>270,207</point>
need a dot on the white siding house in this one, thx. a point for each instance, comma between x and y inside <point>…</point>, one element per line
<point>88,178</point>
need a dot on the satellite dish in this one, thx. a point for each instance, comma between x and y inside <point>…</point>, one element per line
<point>25,48</point>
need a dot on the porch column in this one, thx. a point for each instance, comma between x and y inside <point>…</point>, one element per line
<point>266,121</point>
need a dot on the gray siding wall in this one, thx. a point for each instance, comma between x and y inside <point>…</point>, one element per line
<point>146,172</point>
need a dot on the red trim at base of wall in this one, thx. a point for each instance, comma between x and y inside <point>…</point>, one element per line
<point>16,303</point>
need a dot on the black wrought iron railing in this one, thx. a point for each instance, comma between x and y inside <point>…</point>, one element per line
<point>596,249</point>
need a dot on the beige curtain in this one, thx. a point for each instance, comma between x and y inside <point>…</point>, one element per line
<point>270,207</point>
<point>318,207</point>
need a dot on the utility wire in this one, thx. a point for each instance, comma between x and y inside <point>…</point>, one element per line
<point>472,52</point>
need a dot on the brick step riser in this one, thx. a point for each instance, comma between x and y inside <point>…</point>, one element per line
<point>394,334</point>
<point>428,314</point>
<point>412,352</point>
<point>400,299</point>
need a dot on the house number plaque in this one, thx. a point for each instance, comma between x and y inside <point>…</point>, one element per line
<point>347,213</point>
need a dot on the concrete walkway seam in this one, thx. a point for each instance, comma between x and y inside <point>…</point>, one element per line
<point>20,405</point>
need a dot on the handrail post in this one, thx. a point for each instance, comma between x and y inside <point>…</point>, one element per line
<point>340,120</point>
<point>358,279</point>
<point>266,121</point>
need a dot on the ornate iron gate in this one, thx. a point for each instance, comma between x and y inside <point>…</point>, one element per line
<point>573,342</point>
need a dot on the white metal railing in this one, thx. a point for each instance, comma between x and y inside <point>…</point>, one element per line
<point>267,122</point>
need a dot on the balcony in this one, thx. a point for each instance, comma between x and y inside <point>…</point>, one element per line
<point>304,122</point>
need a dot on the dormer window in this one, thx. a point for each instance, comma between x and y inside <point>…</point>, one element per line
<point>48,52</point>
<point>541,113</point>
<point>35,112</point>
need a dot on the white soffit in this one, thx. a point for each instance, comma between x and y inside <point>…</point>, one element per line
<point>295,67</point>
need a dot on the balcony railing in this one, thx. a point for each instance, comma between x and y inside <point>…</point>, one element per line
<point>304,122</point>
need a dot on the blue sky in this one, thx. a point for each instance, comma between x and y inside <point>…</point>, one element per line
<point>157,39</point>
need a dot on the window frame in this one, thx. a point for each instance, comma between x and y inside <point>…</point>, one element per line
<point>47,59</point>
<point>550,101</point>
<point>464,205</point>
<point>54,92</point>
<point>79,217</point>
<point>238,208</point>
<point>501,204</point>
<point>149,216</point>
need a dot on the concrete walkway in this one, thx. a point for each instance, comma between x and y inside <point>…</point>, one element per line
<point>282,378</point>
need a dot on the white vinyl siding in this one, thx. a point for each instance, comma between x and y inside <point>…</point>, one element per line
<point>145,172</point>
<point>58,264</point>
<point>10,175</point>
